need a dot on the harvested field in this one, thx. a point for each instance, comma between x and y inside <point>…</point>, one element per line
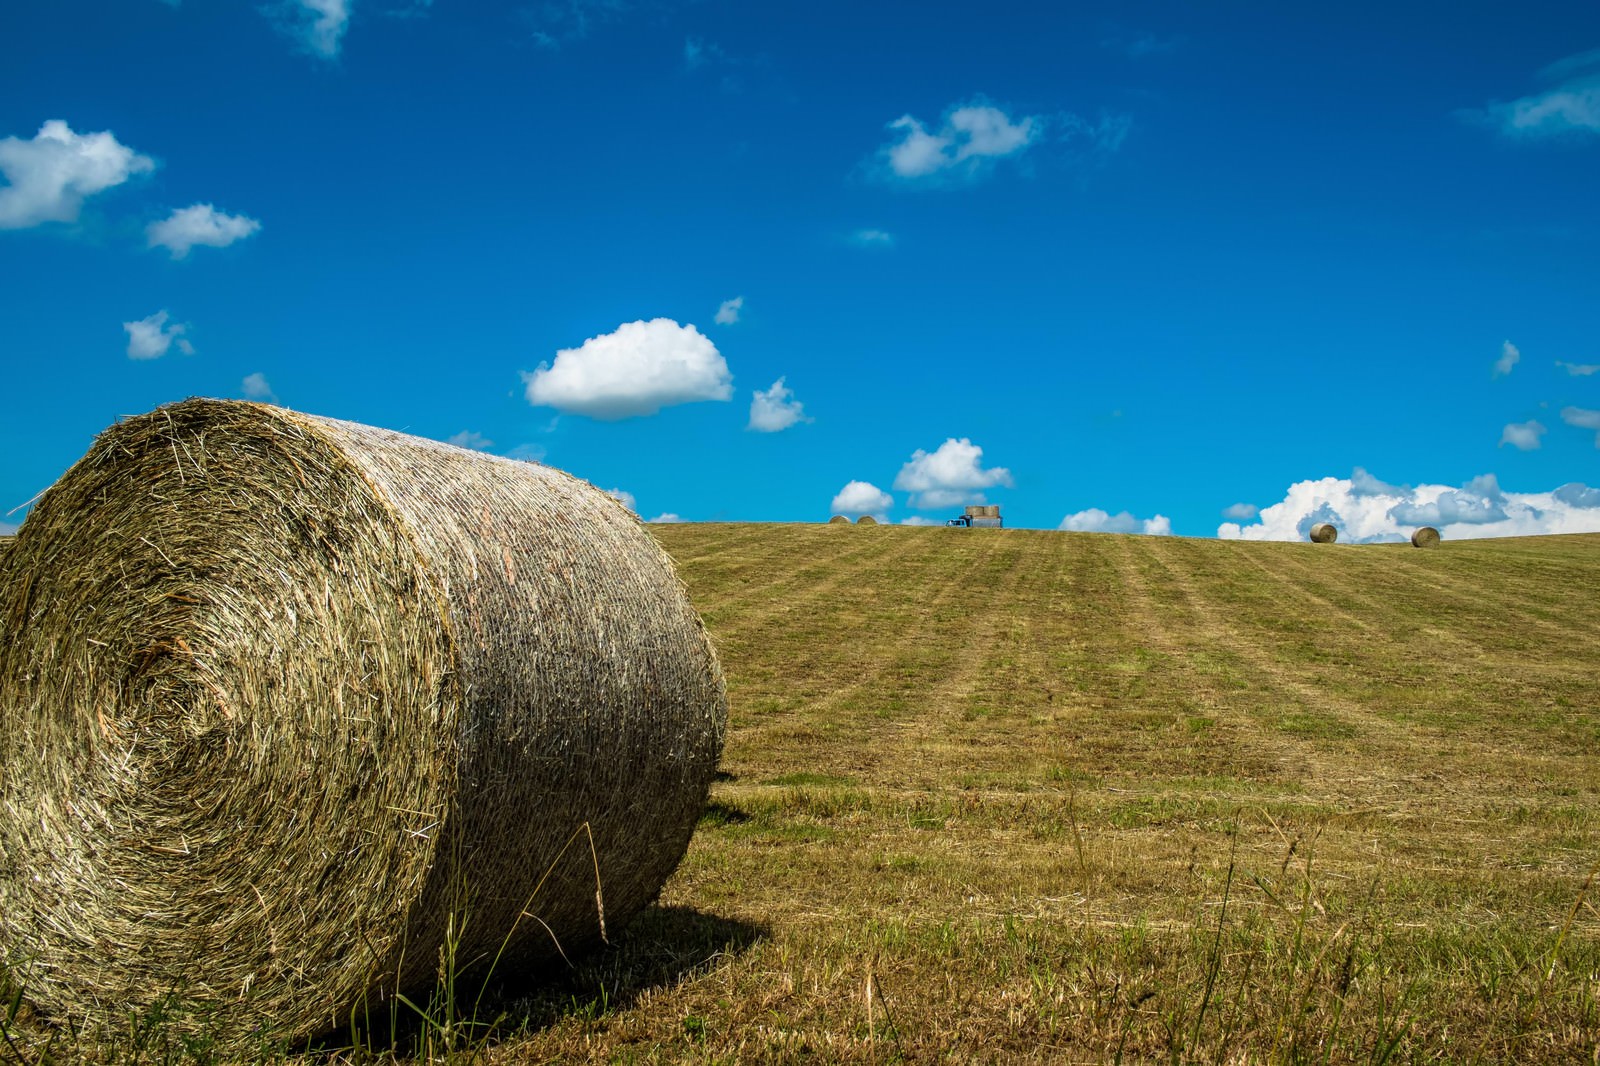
<point>1019,796</point>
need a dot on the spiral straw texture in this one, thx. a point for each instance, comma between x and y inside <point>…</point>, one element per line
<point>1324,533</point>
<point>1426,537</point>
<point>282,696</point>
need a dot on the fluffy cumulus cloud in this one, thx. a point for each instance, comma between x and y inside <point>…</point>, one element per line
<point>48,177</point>
<point>775,409</point>
<point>967,143</point>
<point>1567,107</point>
<point>256,387</point>
<point>950,476</point>
<point>151,338</point>
<point>1509,357</point>
<point>1583,419</point>
<point>862,497</point>
<point>1480,508</point>
<point>1095,520</point>
<point>636,370</point>
<point>728,313</point>
<point>1524,436</point>
<point>199,224</point>
<point>469,438</point>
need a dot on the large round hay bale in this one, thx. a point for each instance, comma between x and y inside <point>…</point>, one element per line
<point>291,696</point>
<point>866,520</point>
<point>1426,537</point>
<point>1324,533</point>
<point>839,520</point>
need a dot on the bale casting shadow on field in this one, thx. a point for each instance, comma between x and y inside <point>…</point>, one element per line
<point>660,947</point>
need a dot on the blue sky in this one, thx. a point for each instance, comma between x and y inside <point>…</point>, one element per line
<point>1201,269</point>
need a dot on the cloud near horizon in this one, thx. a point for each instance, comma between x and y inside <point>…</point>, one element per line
<point>862,497</point>
<point>49,176</point>
<point>1480,508</point>
<point>637,369</point>
<point>949,476</point>
<point>1094,520</point>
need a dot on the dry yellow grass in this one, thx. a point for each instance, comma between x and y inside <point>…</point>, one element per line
<point>1017,796</point>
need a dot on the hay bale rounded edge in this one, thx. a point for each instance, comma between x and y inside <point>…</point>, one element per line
<point>1426,537</point>
<point>839,520</point>
<point>866,520</point>
<point>1324,533</point>
<point>283,695</point>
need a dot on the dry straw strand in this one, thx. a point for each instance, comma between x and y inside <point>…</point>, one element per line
<point>1324,533</point>
<point>281,695</point>
<point>1426,537</point>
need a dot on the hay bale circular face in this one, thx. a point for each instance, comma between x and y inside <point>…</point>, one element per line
<point>1324,533</point>
<point>1426,537</point>
<point>839,520</point>
<point>866,520</point>
<point>290,694</point>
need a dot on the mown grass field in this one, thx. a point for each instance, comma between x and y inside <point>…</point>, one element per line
<point>1025,796</point>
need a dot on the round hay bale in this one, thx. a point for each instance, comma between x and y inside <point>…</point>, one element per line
<point>839,520</point>
<point>293,695</point>
<point>1426,537</point>
<point>866,520</point>
<point>1324,533</point>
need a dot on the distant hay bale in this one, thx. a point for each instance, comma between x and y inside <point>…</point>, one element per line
<point>291,693</point>
<point>1426,537</point>
<point>839,520</point>
<point>1324,533</point>
<point>866,520</point>
<point>5,545</point>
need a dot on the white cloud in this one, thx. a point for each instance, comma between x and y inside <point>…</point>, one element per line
<point>151,338</point>
<point>919,520</point>
<point>667,518</point>
<point>199,224</point>
<point>636,370</point>
<point>1480,508</point>
<point>1095,520</point>
<point>1569,108</point>
<point>950,476</point>
<point>48,177</point>
<point>872,238</point>
<point>969,141</point>
<point>1365,484</point>
<point>728,313</point>
<point>469,438</point>
<point>1240,512</point>
<point>318,25</point>
<point>1579,370</point>
<point>1583,419</point>
<point>862,497</point>
<point>1509,357</point>
<point>1523,436</point>
<point>624,497</point>
<point>256,387</point>
<point>775,409</point>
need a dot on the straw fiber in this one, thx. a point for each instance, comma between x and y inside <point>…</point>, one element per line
<point>866,520</point>
<point>839,520</point>
<point>1426,537</point>
<point>282,696</point>
<point>1324,533</point>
